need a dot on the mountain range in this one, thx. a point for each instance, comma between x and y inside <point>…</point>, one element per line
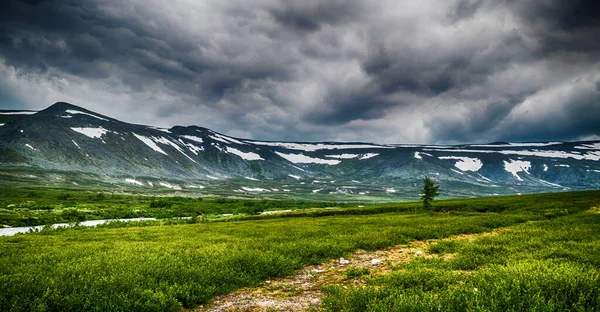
<point>66,144</point>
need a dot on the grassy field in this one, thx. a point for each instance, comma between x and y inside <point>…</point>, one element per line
<point>545,259</point>
<point>40,206</point>
<point>551,265</point>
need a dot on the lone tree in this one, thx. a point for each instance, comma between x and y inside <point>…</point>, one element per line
<point>430,191</point>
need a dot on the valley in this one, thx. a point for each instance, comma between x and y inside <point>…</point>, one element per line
<point>544,246</point>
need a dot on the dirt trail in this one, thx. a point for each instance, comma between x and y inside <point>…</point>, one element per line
<point>303,291</point>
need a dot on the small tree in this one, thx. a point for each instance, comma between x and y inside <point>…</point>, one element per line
<point>430,191</point>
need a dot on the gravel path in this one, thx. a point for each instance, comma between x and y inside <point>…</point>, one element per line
<point>303,291</point>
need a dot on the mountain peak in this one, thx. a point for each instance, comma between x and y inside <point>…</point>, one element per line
<point>60,108</point>
<point>63,106</point>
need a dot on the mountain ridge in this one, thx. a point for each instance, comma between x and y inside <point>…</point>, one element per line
<point>68,138</point>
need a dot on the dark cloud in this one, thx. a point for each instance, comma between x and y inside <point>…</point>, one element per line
<point>411,71</point>
<point>579,118</point>
<point>479,121</point>
<point>452,71</point>
<point>311,15</point>
<point>464,9</point>
<point>341,106</point>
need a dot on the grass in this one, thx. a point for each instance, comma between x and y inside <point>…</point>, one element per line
<point>25,206</point>
<point>549,265</point>
<point>168,267</point>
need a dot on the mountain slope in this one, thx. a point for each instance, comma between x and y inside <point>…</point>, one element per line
<point>67,138</point>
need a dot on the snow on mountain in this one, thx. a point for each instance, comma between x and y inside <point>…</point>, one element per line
<point>88,142</point>
<point>465,163</point>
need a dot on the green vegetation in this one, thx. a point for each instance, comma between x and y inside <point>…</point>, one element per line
<point>546,265</point>
<point>545,259</point>
<point>25,206</point>
<point>430,191</point>
<point>353,272</point>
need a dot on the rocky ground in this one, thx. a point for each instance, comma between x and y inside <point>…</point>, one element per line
<point>304,290</point>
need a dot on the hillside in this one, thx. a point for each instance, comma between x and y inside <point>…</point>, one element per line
<point>65,144</point>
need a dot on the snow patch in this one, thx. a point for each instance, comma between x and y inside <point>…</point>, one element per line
<point>193,138</point>
<point>299,168</point>
<point>252,179</point>
<point>418,155</point>
<point>368,155</point>
<point>303,159</point>
<point>94,133</point>
<point>225,139</point>
<point>545,168</point>
<point>343,156</point>
<point>243,155</point>
<point>593,146</point>
<point>562,165</point>
<point>166,141</point>
<point>75,112</point>
<point>517,144</point>
<point>254,189</point>
<point>311,147</point>
<point>76,144</point>
<point>1,124</point>
<point>465,163</point>
<point>17,113</point>
<point>160,129</point>
<point>486,179</point>
<point>294,176</point>
<point>193,148</point>
<point>516,166</point>
<point>551,184</point>
<point>169,185</point>
<point>592,155</point>
<point>136,182</point>
<point>390,190</point>
<point>150,143</point>
<point>194,186</point>
<point>457,171</point>
<point>31,147</point>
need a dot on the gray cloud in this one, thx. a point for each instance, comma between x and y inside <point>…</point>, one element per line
<point>452,71</point>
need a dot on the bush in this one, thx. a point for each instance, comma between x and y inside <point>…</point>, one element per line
<point>160,204</point>
<point>63,196</point>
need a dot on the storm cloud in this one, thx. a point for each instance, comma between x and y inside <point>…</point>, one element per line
<point>385,71</point>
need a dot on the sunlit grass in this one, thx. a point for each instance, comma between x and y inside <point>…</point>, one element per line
<point>161,268</point>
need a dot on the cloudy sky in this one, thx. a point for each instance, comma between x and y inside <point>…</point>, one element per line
<point>379,71</point>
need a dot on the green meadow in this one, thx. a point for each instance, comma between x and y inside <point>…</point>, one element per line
<point>546,256</point>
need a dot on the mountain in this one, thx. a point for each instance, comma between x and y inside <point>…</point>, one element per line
<point>67,144</point>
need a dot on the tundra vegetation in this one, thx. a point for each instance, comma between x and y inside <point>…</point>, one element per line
<point>545,256</point>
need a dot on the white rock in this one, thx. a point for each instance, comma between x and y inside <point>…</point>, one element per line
<point>318,270</point>
<point>418,253</point>
<point>344,261</point>
<point>375,261</point>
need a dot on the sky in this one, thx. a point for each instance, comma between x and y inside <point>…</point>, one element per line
<point>384,71</point>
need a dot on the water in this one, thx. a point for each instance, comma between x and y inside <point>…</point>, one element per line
<point>24,229</point>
